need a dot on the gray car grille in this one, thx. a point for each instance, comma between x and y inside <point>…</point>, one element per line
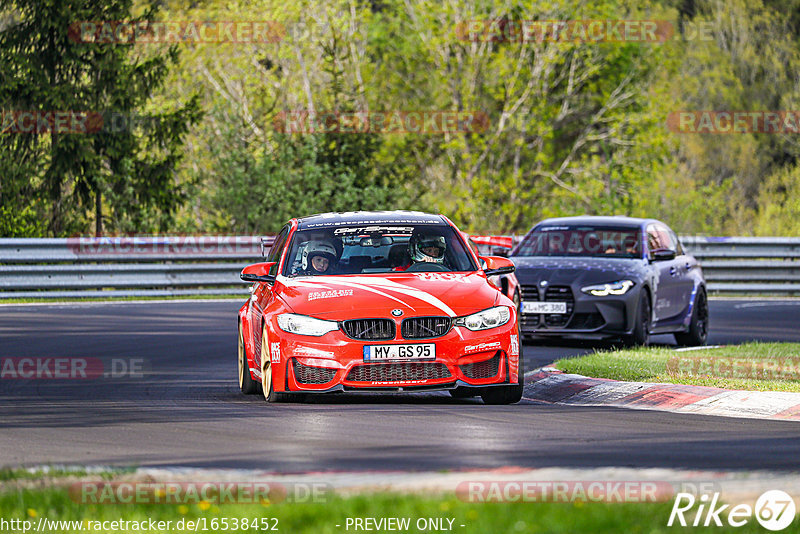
<point>369,329</point>
<point>398,372</point>
<point>306,374</point>
<point>425,327</point>
<point>485,369</point>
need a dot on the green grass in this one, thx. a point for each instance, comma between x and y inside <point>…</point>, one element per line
<point>55,472</point>
<point>751,366</point>
<point>322,518</point>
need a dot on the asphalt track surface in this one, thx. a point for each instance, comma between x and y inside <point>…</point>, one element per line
<point>186,410</point>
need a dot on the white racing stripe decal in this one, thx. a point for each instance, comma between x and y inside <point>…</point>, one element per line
<point>425,297</point>
<point>373,284</point>
<point>300,283</point>
<point>410,291</point>
<point>373,290</point>
<point>342,282</point>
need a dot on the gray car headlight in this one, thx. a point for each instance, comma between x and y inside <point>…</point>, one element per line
<point>305,325</point>
<point>483,320</point>
<point>614,288</point>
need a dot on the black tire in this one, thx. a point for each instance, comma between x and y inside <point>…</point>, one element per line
<point>517,303</point>
<point>698,327</point>
<point>641,328</point>
<point>507,394</point>
<point>464,393</point>
<point>246,382</point>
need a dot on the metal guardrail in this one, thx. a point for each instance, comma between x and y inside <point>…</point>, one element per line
<point>761,265</point>
<point>126,266</point>
<point>210,265</point>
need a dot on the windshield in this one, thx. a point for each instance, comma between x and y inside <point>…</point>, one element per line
<point>582,240</point>
<point>382,248</point>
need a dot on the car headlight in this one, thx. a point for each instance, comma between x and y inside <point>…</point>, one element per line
<point>614,288</point>
<point>305,325</point>
<point>483,320</point>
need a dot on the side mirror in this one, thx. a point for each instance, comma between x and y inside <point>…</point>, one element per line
<point>258,272</point>
<point>663,254</point>
<point>496,265</point>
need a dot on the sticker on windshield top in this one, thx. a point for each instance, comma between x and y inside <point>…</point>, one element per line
<point>358,230</point>
<point>330,224</point>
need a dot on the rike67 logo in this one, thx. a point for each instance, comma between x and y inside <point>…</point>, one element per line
<point>774,510</point>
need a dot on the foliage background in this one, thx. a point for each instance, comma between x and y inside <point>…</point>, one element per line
<point>576,128</point>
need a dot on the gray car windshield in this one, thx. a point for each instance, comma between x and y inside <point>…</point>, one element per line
<point>381,248</point>
<point>586,241</point>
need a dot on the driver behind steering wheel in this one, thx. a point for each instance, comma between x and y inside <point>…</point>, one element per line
<point>425,248</point>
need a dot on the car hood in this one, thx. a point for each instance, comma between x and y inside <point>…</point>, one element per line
<point>566,271</point>
<point>416,294</point>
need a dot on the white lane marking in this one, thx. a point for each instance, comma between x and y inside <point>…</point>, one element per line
<point>744,403</point>
<point>765,304</point>
<point>687,349</point>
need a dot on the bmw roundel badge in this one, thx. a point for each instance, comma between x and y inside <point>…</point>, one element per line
<point>397,312</point>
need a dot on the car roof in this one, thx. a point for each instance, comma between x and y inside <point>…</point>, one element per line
<point>616,220</point>
<point>368,217</point>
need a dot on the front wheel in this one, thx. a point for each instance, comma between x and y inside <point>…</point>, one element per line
<point>641,328</point>
<point>246,382</point>
<point>698,327</point>
<point>507,394</point>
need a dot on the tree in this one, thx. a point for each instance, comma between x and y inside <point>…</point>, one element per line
<point>251,177</point>
<point>47,67</point>
<point>571,125</point>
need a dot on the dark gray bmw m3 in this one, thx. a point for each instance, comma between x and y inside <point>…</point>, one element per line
<point>610,277</point>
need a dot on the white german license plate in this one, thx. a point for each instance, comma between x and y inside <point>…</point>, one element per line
<point>544,307</point>
<point>417,351</point>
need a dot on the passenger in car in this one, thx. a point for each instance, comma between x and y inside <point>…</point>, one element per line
<point>319,257</point>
